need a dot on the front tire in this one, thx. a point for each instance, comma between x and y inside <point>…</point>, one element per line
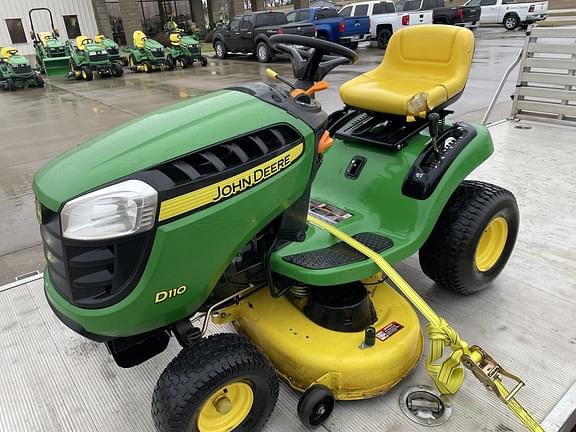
<point>116,70</point>
<point>472,239</point>
<point>86,73</point>
<point>263,52</point>
<point>204,61</point>
<point>39,81</point>
<point>511,21</point>
<point>220,49</point>
<point>222,382</point>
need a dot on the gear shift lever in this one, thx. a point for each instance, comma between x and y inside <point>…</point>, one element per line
<point>433,120</point>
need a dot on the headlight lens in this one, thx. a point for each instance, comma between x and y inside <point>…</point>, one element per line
<point>115,211</point>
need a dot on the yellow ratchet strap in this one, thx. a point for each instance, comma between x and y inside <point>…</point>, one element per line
<point>448,374</point>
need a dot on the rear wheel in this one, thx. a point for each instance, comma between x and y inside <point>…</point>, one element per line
<point>86,73</point>
<point>383,38</point>
<point>116,70</point>
<point>472,239</point>
<point>220,49</point>
<point>511,21</point>
<point>263,52</point>
<point>221,383</point>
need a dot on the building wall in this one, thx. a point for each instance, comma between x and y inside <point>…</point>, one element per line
<point>19,9</point>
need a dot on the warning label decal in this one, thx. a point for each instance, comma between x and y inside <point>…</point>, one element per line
<point>388,331</point>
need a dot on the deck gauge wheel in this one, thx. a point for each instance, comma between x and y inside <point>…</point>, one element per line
<point>316,405</point>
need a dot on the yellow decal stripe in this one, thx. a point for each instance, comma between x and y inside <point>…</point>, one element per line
<point>228,187</point>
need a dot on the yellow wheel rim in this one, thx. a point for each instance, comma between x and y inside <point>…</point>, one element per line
<point>491,244</point>
<point>84,75</point>
<point>226,408</point>
<point>145,67</point>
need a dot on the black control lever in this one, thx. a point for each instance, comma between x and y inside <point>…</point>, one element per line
<point>433,120</point>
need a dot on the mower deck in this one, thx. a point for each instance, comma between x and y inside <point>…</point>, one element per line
<point>57,380</point>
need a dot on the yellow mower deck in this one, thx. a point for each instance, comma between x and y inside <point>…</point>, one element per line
<point>305,353</point>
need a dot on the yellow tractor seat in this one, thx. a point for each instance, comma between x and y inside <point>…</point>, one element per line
<point>139,39</point>
<point>175,38</point>
<point>44,36</point>
<point>82,41</point>
<point>99,38</point>
<point>7,52</point>
<point>423,68</point>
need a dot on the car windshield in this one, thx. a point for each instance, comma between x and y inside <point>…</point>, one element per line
<point>408,5</point>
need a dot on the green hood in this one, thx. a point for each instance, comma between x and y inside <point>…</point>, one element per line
<point>188,40</point>
<point>153,44</point>
<point>152,139</point>
<point>92,47</point>
<point>18,60</point>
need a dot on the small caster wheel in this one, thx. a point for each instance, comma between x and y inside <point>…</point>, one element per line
<point>315,405</point>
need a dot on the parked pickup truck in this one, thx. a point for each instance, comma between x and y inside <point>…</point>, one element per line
<point>249,33</point>
<point>466,16</point>
<point>384,20</point>
<point>332,27</point>
<point>510,13</point>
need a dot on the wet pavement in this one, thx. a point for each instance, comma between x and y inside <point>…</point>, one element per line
<point>38,124</point>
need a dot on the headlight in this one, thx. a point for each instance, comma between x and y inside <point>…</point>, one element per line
<point>92,53</point>
<point>115,211</point>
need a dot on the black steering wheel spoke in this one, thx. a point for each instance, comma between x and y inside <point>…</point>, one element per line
<point>313,65</point>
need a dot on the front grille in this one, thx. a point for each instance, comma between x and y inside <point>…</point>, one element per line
<point>91,274</point>
<point>98,57</point>
<point>23,70</point>
<point>158,53</point>
<point>234,155</point>
<point>194,51</point>
<point>57,52</point>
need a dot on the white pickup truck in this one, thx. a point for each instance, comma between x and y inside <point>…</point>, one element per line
<point>384,20</point>
<point>510,13</point>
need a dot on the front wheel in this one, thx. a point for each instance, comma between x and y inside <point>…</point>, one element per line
<point>511,22</point>
<point>472,239</point>
<point>147,66</point>
<point>39,81</point>
<point>86,73</point>
<point>204,61</point>
<point>221,383</point>
<point>220,49</point>
<point>263,52</point>
<point>116,70</point>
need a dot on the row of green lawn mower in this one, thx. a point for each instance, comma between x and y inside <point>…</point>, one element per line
<point>147,55</point>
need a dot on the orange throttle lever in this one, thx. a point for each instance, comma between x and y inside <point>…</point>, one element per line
<point>316,87</point>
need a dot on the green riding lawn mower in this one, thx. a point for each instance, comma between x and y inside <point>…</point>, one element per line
<point>89,58</point>
<point>52,55</point>
<point>223,208</point>
<point>16,72</point>
<point>147,55</point>
<point>183,50</point>
<point>110,46</point>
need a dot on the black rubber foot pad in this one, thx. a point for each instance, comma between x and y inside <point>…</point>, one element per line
<point>340,253</point>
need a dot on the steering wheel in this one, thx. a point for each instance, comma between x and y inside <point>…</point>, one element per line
<point>312,66</point>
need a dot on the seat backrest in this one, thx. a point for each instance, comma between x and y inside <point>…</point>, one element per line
<point>81,41</point>
<point>175,38</point>
<point>7,52</point>
<point>44,36</point>
<point>99,38</point>
<point>438,53</point>
<point>139,39</point>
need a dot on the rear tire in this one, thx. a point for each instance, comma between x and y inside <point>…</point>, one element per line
<point>86,73</point>
<point>511,21</point>
<point>473,238</point>
<point>147,66</point>
<point>222,382</point>
<point>263,52</point>
<point>220,49</point>
<point>383,38</point>
<point>116,70</point>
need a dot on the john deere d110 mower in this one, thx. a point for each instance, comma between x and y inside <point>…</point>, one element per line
<point>89,58</point>
<point>16,72</point>
<point>147,55</point>
<point>184,50</point>
<point>251,205</point>
<point>52,55</point>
